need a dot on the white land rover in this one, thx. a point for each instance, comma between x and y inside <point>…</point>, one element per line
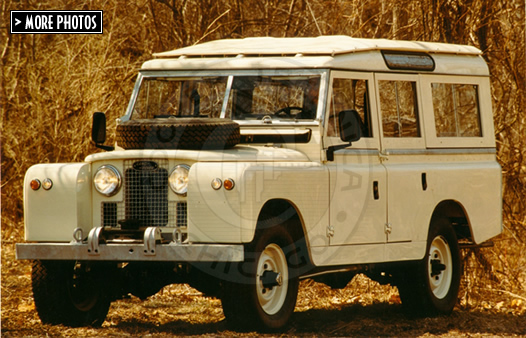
<point>243,166</point>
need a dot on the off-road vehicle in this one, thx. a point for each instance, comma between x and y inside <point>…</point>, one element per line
<point>242,166</point>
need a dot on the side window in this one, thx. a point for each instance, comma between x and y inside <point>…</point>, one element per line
<point>399,108</point>
<point>456,110</point>
<point>349,94</point>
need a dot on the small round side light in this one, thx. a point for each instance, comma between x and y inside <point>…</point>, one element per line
<point>229,184</point>
<point>35,184</point>
<point>217,183</point>
<point>47,184</point>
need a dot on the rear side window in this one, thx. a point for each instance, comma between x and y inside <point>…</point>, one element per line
<point>456,110</point>
<point>399,108</point>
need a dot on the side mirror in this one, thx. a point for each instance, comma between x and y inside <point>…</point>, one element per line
<point>98,131</point>
<point>350,125</point>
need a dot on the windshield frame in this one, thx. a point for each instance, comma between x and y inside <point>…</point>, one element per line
<point>322,95</point>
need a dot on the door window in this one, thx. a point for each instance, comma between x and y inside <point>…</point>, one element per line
<point>349,94</point>
<point>399,108</point>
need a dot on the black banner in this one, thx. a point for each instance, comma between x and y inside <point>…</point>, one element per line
<point>56,22</point>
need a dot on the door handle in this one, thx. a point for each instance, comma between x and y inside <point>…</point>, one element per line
<point>384,155</point>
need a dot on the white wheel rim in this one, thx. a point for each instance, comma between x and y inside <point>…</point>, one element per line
<point>440,267</point>
<point>272,259</point>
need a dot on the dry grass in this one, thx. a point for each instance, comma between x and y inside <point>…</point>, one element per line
<point>363,308</point>
<point>51,84</point>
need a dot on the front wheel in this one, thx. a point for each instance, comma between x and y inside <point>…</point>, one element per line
<point>431,287</point>
<point>71,293</point>
<point>265,291</point>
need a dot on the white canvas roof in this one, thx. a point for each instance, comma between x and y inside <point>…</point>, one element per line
<point>322,45</point>
<point>327,52</point>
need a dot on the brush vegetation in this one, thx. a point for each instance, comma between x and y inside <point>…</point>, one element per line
<point>50,85</point>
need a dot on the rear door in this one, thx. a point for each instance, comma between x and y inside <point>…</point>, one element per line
<point>403,153</point>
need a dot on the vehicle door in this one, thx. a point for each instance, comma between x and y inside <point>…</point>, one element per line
<point>402,153</point>
<point>358,191</point>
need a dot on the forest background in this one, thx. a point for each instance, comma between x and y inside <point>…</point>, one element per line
<point>50,85</point>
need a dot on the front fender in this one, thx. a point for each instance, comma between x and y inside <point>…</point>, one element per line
<point>52,215</point>
<point>214,216</point>
<point>221,216</point>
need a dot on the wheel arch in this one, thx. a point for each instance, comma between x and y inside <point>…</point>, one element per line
<point>286,213</point>
<point>457,215</point>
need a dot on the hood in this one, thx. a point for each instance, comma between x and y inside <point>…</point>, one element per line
<point>236,154</point>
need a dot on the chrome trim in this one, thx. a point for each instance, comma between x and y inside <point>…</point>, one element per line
<point>150,236</point>
<point>442,151</point>
<point>93,241</point>
<point>351,151</point>
<point>116,172</point>
<point>133,98</point>
<point>231,72</point>
<point>78,235</point>
<point>429,151</point>
<point>177,236</point>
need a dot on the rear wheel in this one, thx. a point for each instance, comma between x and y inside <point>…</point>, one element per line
<point>431,287</point>
<point>71,293</point>
<point>265,292</point>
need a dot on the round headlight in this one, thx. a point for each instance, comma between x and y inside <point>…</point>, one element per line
<point>107,180</point>
<point>178,179</point>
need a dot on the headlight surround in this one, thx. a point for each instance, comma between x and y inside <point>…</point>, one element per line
<point>178,179</point>
<point>107,180</point>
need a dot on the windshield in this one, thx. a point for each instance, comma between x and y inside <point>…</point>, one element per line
<point>165,97</point>
<point>287,98</point>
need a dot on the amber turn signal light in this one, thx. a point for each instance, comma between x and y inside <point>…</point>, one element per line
<point>229,184</point>
<point>35,184</point>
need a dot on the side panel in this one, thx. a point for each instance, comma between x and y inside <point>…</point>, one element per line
<point>304,184</point>
<point>52,215</point>
<point>472,180</point>
<point>214,216</point>
<point>477,187</point>
<point>433,154</point>
<point>231,216</point>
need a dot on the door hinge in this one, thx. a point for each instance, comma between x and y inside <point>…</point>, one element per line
<point>388,228</point>
<point>330,231</point>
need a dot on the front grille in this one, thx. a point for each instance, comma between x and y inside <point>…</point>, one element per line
<point>182,214</point>
<point>145,197</point>
<point>109,214</point>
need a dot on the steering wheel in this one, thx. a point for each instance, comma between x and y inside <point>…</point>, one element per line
<point>287,111</point>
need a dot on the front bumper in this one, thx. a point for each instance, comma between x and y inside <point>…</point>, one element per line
<point>131,252</point>
<point>148,250</point>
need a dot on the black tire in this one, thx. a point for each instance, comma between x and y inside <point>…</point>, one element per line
<point>256,299</point>
<point>70,293</point>
<point>431,287</point>
<point>178,133</point>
